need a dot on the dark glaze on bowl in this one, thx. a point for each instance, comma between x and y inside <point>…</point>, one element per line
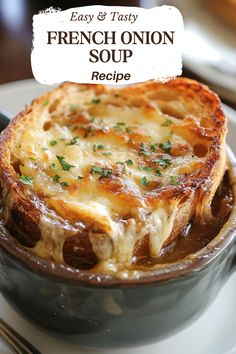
<point>106,311</point>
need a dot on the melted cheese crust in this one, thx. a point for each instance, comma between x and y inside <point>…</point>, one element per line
<point>113,161</point>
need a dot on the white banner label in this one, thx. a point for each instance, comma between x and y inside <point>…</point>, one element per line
<point>106,44</point>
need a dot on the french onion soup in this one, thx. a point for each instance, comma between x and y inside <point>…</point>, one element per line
<point>112,180</point>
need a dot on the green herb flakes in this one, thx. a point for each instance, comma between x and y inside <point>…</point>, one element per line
<point>143,150</point>
<point>174,181</point>
<point>45,103</point>
<point>166,146</point>
<point>107,153</point>
<point>52,166</point>
<point>145,168</point>
<point>65,166</point>
<point>64,184</point>
<point>98,147</point>
<point>163,162</point>
<point>120,127</point>
<point>26,180</point>
<point>74,141</point>
<point>129,130</point>
<point>53,142</point>
<point>56,178</point>
<point>103,172</point>
<point>144,181</point>
<point>167,122</point>
<point>73,108</point>
<point>89,130</point>
<point>129,162</point>
<point>95,100</point>
<point>158,172</point>
<point>153,147</point>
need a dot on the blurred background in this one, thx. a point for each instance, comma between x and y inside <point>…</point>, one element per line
<point>209,50</point>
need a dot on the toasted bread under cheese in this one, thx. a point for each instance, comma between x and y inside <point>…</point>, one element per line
<point>94,175</point>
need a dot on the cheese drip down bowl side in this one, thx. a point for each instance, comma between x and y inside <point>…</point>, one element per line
<point>105,311</point>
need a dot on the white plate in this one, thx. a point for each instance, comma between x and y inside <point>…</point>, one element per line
<point>213,333</point>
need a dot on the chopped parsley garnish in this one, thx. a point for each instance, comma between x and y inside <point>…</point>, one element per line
<point>73,141</point>
<point>123,168</point>
<point>26,180</point>
<point>145,168</point>
<point>121,127</point>
<point>53,142</point>
<point>119,162</point>
<point>98,147</point>
<point>158,172</point>
<point>153,147</point>
<point>73,108</point>
<point>96,100</point>
<point>171,133</point>
<point>129,130</point>
<point>64,184</point>
<point>118,127</point>
<point>144,181</point>
<point>65,165</point>
<point>165,146</point>
<point>129,162</point>
<point>107,153</point>
<point>103,172</point>
<point>163,162</point>
<point>45,103</point>
<point>89,130</point>
<point>174,181</point>
<point>80,177</point>
<point>53,165</point>
<point>56,178</point>
<point>167,122</point>
<point>143,150</point>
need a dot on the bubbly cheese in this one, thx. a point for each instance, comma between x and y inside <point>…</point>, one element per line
<point>99,159</point>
